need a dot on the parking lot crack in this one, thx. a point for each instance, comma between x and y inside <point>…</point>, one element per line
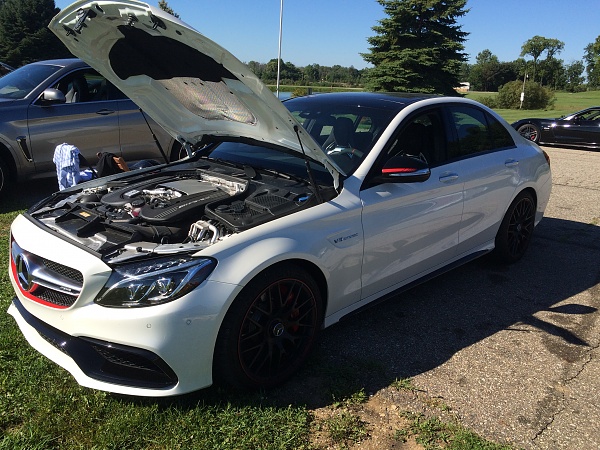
<point>557,401</point>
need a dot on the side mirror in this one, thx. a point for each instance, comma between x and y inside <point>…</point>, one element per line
<point>52,96</point>
<point>404,169</point>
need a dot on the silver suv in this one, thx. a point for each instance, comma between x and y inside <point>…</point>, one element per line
<point>48,103</point>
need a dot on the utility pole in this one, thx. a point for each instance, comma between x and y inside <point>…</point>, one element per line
<point>522,90</point>
<point>279,52</point>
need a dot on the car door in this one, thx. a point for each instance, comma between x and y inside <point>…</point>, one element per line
<point>411,229</point>
<point>136,131</point>
<point>87,120</point>
<point>583,129</point>
<point>487,161</point>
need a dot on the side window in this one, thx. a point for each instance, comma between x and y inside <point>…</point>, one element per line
<point>87,85</point>
<point>422,137</point>
<point>476,132</point>
<point>500,136</point>
<point>593,114</point>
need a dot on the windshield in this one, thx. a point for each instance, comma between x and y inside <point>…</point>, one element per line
<point>266,158</point>
<point>18,84</point>
<point>346,131</point>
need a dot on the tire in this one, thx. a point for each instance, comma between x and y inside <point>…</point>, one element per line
<point>269,329</point>
<point>516,229</point>
<point>530,132</point>
<point>5,178</point>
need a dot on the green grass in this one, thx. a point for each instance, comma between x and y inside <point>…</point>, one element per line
<point>566,103</point>
<point>433,434</point>
<point>405,384</point>
<point>345,428</point>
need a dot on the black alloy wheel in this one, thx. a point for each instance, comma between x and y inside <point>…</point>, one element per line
<point>269,329</point>
<point>516,229</point>
<point>530,132</point>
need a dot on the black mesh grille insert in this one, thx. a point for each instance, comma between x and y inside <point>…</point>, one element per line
<point>65,271</point>
<point>57,298</point>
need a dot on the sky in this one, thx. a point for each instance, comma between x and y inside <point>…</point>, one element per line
<point>330,32</point>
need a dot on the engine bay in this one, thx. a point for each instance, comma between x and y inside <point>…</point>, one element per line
<point>171,211</point>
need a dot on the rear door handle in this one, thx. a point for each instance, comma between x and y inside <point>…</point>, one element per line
<point>511,163</point>
<point>105,112</point>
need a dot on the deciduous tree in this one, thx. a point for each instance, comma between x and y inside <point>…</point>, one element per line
<point>574,76</point>
<point>418,47</point>
<point>534,47</point>
<point>484,71</point>
<point>162,4</point>
<point>538,45</point>
<point>592,60</point>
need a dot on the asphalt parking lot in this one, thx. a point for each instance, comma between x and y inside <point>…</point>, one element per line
<point>512,352</point>
<point>529,373</point>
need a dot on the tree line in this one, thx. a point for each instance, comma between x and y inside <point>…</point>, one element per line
<point>417,47</point>
<point>489,74</point>
<point>312,74</point>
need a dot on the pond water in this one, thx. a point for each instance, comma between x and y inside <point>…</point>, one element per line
<point>284,95</point>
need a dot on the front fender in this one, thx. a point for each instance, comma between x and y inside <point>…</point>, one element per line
<point>326,236</point>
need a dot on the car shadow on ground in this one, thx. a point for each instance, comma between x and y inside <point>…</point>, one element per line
<point>424,327</point>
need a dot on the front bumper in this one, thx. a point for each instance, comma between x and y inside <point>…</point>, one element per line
<point>100,360</point>
<point>153,351</point>
<point>155,355</point>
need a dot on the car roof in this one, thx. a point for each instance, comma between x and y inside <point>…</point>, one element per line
<point>394,101</point>
<point>64,62</point>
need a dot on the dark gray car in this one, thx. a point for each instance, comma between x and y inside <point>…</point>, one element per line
<point>48,103</point>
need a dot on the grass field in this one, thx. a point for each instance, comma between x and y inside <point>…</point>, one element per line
<point>565,103</point>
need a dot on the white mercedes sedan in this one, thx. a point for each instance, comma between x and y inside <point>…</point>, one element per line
<point>283,218</point>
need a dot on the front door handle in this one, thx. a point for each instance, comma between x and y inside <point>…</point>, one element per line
<point>511,163</point>
<point>448,177</point>
<point>105,112</point>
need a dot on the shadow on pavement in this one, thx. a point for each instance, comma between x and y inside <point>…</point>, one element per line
<point>422,328</point>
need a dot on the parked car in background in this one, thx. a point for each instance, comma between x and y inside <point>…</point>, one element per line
<point>580,129</point>
<point>288,216</point>
<point>48,103</point>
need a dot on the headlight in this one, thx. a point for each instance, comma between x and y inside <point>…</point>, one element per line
<point>155,281</point>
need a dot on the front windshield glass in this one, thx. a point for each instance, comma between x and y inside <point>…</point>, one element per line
<point>18,84</point>
<point>346,130</point>
<point>270,159</point>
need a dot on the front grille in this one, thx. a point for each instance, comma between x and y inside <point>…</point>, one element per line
<point>43,280</point>
<point>55,297</point>
<point>139,367</point>
<point>68,272</point>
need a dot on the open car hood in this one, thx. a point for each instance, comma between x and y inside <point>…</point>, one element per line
<point>188,84</point>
